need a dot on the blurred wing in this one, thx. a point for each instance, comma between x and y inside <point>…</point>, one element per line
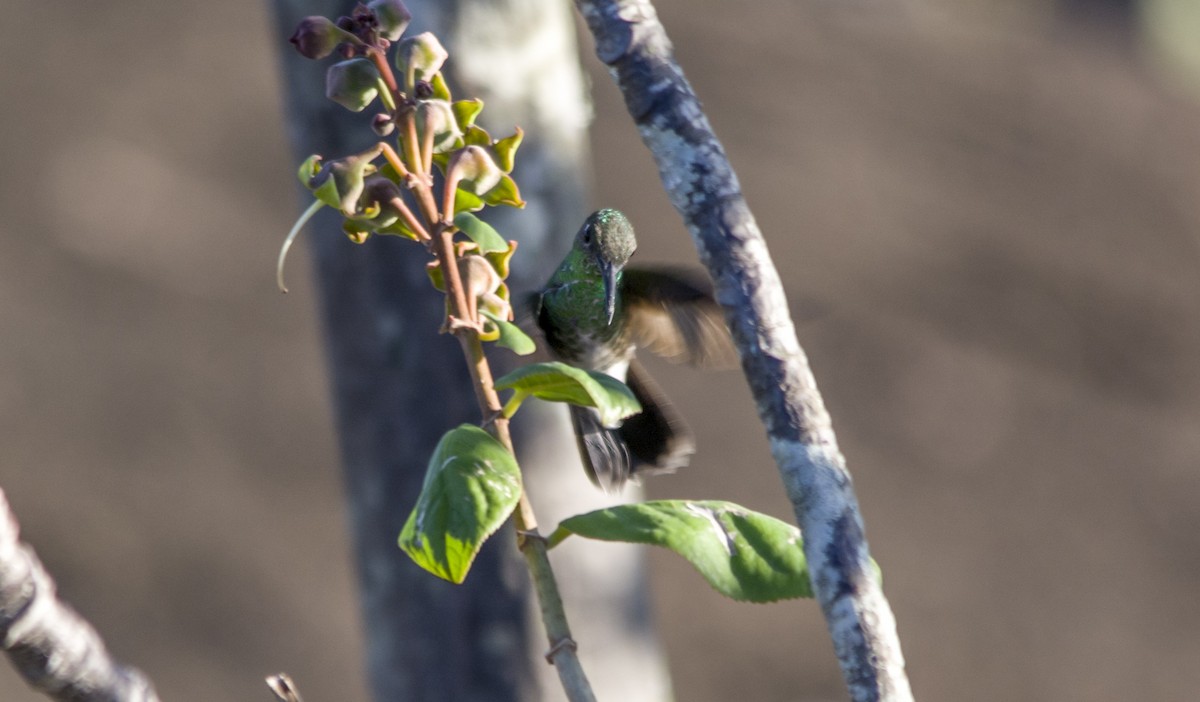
<point>658,438</point>
<point>605,456</point>
<point>671,312</point>
<point>653,442</point>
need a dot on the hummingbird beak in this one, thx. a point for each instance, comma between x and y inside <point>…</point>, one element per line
<point>609,272</point>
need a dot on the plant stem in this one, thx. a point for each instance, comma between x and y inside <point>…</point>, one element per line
<point>410,219</point>
<point>379,58</point>
<point>427,150</point>
<point>412,150</point>
<point>510,407</point>
<point>562,652</point>
<point>393,158</point>
<point>533,546</point>
<point>389,100</point>
<point>422,177</point>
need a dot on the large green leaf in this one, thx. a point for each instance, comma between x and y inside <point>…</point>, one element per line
<point>558,382</point>
<point>742,554</point>
<point>472,486</point>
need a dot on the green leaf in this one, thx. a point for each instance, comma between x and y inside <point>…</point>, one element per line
<point>434,271</point>
<point>466,201</point>
<point>501,260</point>
<point>477,136</point>
<point>353,84</point>
<point>327,192</point>
<point>511,336</point>
<point>443,159</point>
<point>440,90</point>
<point>743,555</point>
<point>465,112</point>
<point>309,169</point>
<point>471,487</point>
<point>506,150</point>
<point>356,230</point>
<point>399,228</point>
<point>505,192</point>
<point>480,232</point>
<point>558,382</point>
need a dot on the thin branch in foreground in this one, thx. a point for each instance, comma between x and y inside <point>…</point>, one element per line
<point>51,645</point>
<point>704,189</point>
<point>283,687</point>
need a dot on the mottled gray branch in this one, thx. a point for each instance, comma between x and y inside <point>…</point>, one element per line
<point>704,189</point>
<point>50,645</point>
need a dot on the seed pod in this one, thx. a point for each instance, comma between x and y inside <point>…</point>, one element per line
<point>393,17</point>
<point>420,57</point>
<point>316,37</point>
<point>437,115</point>
<point>478,172</point>
<point>383,124</point>
<point>353,84</point>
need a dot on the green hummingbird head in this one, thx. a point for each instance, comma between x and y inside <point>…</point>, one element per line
<point>606,238</point>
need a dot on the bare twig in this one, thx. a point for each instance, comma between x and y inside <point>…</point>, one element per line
<point>50,645</point>
<point>704,189</point>
<point>285,690</point>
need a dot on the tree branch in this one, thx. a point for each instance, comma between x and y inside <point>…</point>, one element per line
<point>704,189</point>
<point>50,645</point>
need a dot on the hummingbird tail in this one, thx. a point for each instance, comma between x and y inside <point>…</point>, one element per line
<point>654,442</point>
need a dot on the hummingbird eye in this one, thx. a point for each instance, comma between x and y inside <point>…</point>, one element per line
<point>587,236</point>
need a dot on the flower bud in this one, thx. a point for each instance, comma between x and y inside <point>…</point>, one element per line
<point>355,231</point>
<point>478,172</point>
<point>438,115</point>
<point>383,124</point>
<point>378,198</point>
<point>393,17</point>
<point>339,183</point>
<point>352,84</point>
<point>316,37</point>
<point>420,57</point>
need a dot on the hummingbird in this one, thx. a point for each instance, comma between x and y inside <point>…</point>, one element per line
<point>596,314</point>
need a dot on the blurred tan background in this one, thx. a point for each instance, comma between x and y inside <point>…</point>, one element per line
<point>988,219</point>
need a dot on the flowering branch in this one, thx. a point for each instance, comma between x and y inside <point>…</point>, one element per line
<point>434,132</point>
